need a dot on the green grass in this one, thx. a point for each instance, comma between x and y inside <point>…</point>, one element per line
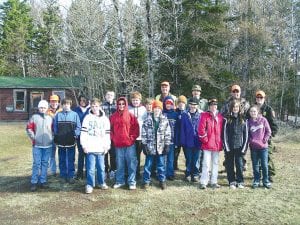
<point>180,203</point>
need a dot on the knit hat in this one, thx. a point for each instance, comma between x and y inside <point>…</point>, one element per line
<point>182,99</point>
<point>196,88</point>
<point>260,93</point>
<point>43,104</point>
<point>157,103</point>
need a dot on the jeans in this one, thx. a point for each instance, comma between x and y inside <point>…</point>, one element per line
<point>170,162</point>
<point>94,160</point>
<point>52,165</point>
<point>192,162</point>
<point>234,158</point>
<point>160,167</point>
<point>81,159</point>
<point>40,158</point>
<point>66,156</point>
<point>210,158</point>
<point>260,157</point>
<point>126,156</point>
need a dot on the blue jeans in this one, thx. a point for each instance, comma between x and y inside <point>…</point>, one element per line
<point>52,165</point>
<point>40,158</point>
<point>260,155</point>
<point>81,158</point>
<point>170,162</point>
<point>192,163</point>
<point>95,160</point>
<point>126,156</point>
<point>234,158</point>
<point>160,167</point>
<point>66,156</point>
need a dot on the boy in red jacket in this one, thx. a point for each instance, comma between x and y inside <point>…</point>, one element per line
<point>210,133</point>
<point>124,132</point>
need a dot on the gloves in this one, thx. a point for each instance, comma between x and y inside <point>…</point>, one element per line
<point>166,149</point>
<point>145,149</point>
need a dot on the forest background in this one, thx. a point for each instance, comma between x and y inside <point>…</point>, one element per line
<point>133,45</point>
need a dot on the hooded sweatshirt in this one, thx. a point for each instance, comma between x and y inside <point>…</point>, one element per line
<point>172,117</point>
<point>124,126</point>
<point>95,133</point>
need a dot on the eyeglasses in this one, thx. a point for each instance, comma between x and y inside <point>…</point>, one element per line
<point>235,91</point>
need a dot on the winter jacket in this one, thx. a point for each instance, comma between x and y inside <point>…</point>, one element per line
<point>81,113</point>
<point>95,133</point>
<point>140,113</point>
<point>259,133</point>
<point>172,117</point>
<point>235,134</point>
<point>124,127</point>
<point>40,130</point>
<point>269,114</point>
<point>66,128</point>
<point>156,142</point>
<point>109,108</point>
<point>210,131</point>
<point>189,130</point>
<point>244,106</point>
<point>177,132</point>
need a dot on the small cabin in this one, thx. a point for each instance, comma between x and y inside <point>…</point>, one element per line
<point>19,96</point>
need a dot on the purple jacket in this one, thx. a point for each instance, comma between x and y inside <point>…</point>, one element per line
<point>259,133</point>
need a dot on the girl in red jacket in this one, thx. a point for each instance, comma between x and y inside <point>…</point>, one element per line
<point>210,132</point>
<point>124,132</point>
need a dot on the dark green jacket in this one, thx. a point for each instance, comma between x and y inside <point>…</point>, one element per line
<point>268,112</point>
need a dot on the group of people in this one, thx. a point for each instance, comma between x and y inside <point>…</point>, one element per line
<point>111,136</point>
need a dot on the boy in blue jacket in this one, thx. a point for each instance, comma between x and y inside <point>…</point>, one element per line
<point>66,130</point>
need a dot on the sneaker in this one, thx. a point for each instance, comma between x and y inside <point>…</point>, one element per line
<point>232,185</point>
<point>33,187</point>
<point>267,185</point>
<point>145,185</point>
<point>188,179</point>
<point>88,189</point>
<point>44,186</point>
<point>103,187</point>
<point>132,187</point>
<point>255,185</point>
<point>195,179</point>
<point>112,175</point>
<point>241,185</point>
<point>214,186</point>
<point>163,185</point>
<point>116,186</point>
<point>202,186</point>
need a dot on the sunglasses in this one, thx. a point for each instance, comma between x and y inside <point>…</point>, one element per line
<point>235,91</point>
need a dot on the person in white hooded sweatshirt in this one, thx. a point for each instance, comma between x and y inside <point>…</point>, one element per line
<point>95,141</point>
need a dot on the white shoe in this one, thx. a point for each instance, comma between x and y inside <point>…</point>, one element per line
<point>232,185</point>
<point>103,186</point>
<point>132,187</point>
<point>88,189</point>
<point>116,186</point>
<point>241,185</point>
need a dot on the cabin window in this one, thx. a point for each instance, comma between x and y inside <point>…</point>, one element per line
<point>20,100</point>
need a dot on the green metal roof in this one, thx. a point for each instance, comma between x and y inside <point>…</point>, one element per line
<point>37,82</point>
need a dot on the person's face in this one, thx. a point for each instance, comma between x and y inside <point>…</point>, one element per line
<point>213,107</point>
<point>236,108</point>
<point>196,93</point>
<point>54,104</point>
<point>109,97</point>
<point>260,100</point>
<point>165,89</point>
<point>149,107</point>
<point>156,111</point>
<point>95,107</point>
<point>253,112</point>
<point>136,102</point>
<point>67,107</point>
<point>121,105</point>
<point>43,110</point>
<point>83,102</point>
<point>193,108</point>
<point>169,106</point>
<point>181,105</point>
<point>236,94</point>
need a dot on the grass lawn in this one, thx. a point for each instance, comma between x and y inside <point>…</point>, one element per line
<point>180,203</point>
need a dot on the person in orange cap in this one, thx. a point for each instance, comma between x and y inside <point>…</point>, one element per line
<point>268,112</point>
